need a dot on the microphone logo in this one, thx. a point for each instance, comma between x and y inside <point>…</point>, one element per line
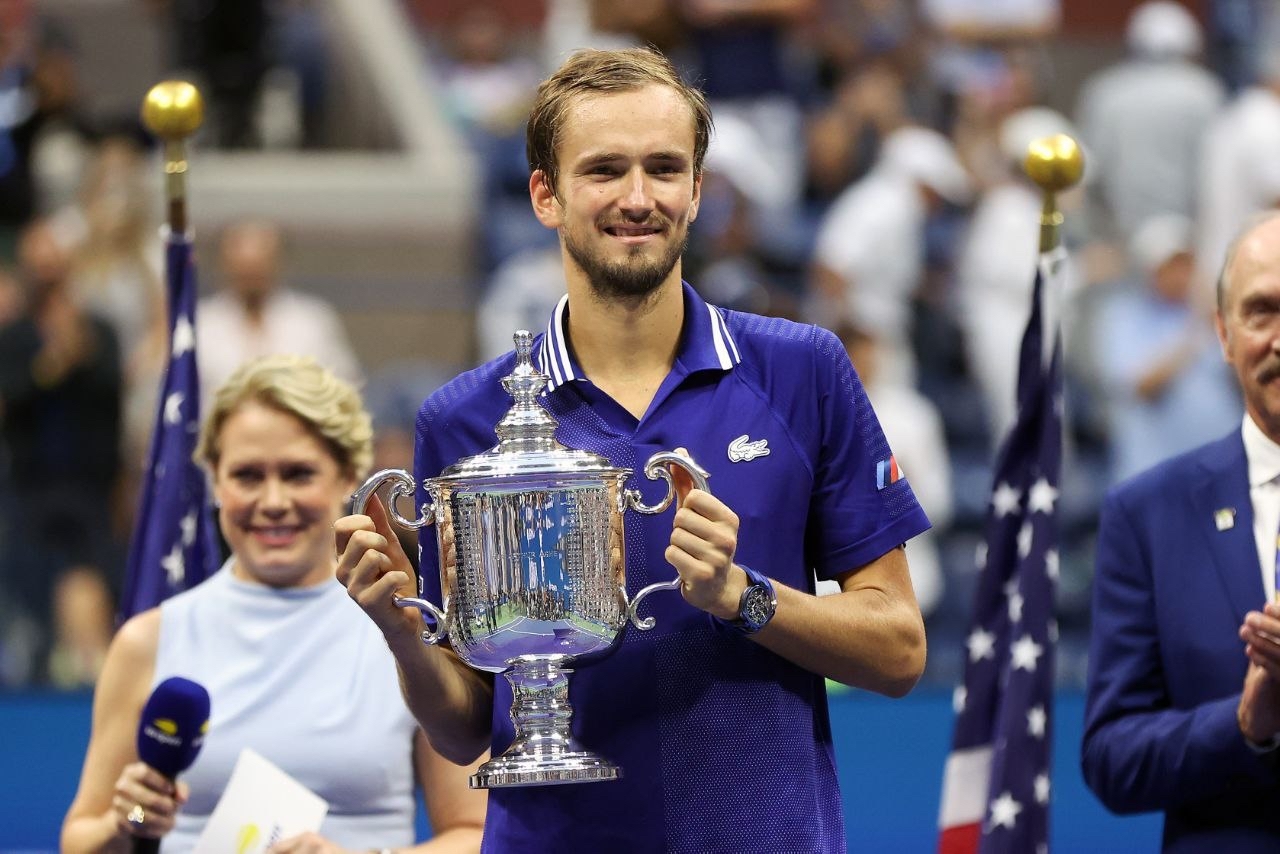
<point>165,731</point>
<point>157,732</point>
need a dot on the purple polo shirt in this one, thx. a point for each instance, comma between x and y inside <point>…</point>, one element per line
<point>724,746</point>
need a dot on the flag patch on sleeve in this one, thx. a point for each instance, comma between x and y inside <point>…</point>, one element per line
<point>887,472</point>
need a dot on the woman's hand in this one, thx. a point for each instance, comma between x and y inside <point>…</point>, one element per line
<point>146,802</point>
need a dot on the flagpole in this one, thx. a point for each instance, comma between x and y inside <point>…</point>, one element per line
<point>997,785</point>
<point>1054,163</point>
<point>173,110</point>
<point>174,545</point>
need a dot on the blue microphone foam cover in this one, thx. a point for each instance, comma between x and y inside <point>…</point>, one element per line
<point>173,725</point>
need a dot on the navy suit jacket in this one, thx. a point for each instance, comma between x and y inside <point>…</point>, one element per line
<point>1166,666</point>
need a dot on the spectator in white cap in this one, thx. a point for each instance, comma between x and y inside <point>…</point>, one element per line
<point>1240,172</point>
<point>1143,121</point>
<point>870,253</point>
<point>1168,389</point>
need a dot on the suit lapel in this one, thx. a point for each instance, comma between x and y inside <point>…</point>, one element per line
<point>1224,488</point>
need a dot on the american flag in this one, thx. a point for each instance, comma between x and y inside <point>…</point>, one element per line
<point>996,787</point>
<point>173,546</point>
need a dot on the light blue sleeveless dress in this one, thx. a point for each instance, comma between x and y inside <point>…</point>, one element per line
<point>304,678</point>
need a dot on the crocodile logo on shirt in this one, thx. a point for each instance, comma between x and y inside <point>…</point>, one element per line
<point>742,449</point>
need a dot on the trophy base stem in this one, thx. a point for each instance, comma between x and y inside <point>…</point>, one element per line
<point>576,767</point>
<point>544,751</point>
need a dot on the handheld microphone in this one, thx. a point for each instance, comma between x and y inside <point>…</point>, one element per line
<point>170,734</point>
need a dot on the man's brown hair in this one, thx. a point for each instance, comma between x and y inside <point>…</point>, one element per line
<point>589,72</point>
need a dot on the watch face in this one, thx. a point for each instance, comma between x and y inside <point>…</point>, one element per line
<point>757,607</point>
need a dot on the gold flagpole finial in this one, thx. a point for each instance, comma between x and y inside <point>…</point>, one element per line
<point>1055,163</point>
<point>173,110</point>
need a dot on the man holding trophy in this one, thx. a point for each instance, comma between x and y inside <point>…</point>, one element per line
<point>708,732</point>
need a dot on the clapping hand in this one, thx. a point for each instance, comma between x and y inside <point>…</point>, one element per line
<point>1259,709</point>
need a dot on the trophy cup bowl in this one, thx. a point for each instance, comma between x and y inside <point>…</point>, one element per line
<point>533,572</point>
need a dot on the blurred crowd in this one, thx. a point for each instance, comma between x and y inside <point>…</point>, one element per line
<point>865,175</point>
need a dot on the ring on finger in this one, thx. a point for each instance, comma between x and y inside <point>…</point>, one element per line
<point>137,815</point>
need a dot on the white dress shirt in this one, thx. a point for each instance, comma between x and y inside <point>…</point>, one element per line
<point>292,322</point>
<point>1263,456</point>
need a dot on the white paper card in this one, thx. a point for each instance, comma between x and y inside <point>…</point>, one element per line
<point>260,806</point>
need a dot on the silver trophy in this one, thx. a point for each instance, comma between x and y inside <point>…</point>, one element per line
<point>532,568</point>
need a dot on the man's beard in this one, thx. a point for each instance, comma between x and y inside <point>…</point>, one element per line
<point>632,278</point>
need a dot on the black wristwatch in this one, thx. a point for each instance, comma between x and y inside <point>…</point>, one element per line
<point>757,605</point>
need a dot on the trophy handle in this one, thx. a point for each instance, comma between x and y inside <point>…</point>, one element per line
<point>402,486</point>
<point>646,623</point>
<point>656,468</point>
<point>430,637</point>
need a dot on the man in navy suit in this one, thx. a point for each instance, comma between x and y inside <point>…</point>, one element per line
<point>1183,709</point>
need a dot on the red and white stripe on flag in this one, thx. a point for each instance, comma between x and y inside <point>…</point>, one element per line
<point>964,800</point>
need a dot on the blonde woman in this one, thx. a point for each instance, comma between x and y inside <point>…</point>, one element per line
<point>293,669</point>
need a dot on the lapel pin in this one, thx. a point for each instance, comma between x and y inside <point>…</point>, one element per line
<point>1225,518</point>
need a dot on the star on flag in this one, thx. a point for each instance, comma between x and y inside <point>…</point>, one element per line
<point>184,337</point>
<point>1004,811</point>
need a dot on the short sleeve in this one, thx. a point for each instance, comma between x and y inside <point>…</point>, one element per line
<point>862,504</point>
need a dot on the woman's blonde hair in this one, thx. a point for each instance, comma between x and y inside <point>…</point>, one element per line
<point>330,409</point>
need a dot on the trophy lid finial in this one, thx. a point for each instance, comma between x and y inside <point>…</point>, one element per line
<point>527,445</point>
<point>524,346</point>
<point>527,424</point>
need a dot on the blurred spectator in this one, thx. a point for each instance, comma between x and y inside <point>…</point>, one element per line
<point>606,24</point>
<point>12,300</point>
<point>913,427</point>
<point>116,273</point>
<point>850,36</point>
<point>756,84</point>
<point>299,79</point>
<point>872,77</point>
<point>1015,81</point>
<point>394,395</point>
<point>83,622</point>
<point>845,136</point>
<point>993,21</point>
<point>262,66</point>
<point>37,93</point>
<point>1143,120</point>
<point>1169,388</point>
<point>254,314</point>
<point>60,390</point>
<point>488,84</point>
<point>521,294</point>
<point>870,252</point>
<point>986,55</point>
<point>1240,174</point>
<point>225,44</point>
<point>724,259</point>
<point>1236,32</point>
